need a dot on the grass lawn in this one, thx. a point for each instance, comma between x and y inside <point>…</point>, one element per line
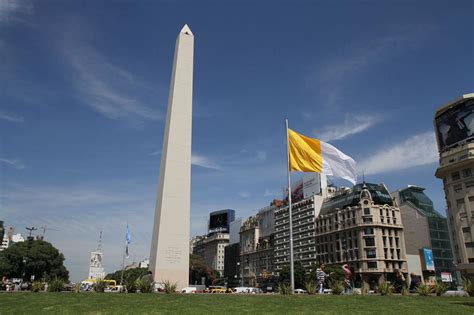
<point>107,303</point>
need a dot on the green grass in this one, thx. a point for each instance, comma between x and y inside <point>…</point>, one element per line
<point>106,303</point>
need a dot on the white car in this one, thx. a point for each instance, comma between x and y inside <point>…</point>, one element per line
<point>189,290</point>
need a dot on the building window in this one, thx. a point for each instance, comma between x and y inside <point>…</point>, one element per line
<point>368,231</point>
<point>469,184</point>
<point>458,188</point>
<point>469,244</point>
<point>370,241</point>
<point>367,220</point>
<point>455,176</point>
<point>466,173</point>
<point>371,253</point>
<point>372,265</point>
<point>366,211</point>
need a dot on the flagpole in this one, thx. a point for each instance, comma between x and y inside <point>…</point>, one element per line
<point>123,259</point>
<point>292,266</point>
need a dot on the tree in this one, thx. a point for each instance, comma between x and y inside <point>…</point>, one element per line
<point>335,272</point>
<point>128,275</point>
<point>198,269</point>
<point>33,258</point>
<point>299,275</point>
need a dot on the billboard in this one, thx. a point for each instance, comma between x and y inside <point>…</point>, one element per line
<point>428,258</point>
<point>455,125</point>
<point>219,221</point>
<point>311,184</point>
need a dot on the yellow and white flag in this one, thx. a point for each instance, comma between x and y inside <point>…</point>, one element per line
<point>312,155</point>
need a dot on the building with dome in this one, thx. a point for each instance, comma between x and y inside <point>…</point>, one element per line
<point>362,227</point>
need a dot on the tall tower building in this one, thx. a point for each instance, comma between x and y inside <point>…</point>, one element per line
<point>96,271</point>
<point>169,254</point>
<point>454,125</point>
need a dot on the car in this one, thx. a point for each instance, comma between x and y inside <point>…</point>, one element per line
<point>189,290</point>
<point>300,291</point>
<point>218,290</point>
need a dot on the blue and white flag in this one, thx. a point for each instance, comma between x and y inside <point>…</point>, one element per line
<point>128,240</point>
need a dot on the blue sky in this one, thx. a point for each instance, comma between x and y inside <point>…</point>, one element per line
<point>84,87</point>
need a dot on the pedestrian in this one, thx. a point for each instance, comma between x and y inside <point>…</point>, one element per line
<point>400,281</point>
<point>148,277</point>
<point>347,278</point>
<point>414,282</point>
<point>321,277</point>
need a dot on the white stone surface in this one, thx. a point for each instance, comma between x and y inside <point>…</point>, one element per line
<point>169,254</point>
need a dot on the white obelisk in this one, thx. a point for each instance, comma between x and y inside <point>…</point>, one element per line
<point>169,254</point>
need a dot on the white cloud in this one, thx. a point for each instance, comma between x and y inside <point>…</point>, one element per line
<point>11,117</point>
<point>351,125</point>
<point>333,74</point>
<point>203,161</point>
<point>12,10</point>
<point>417,150</point>
<point>14,163</point>
<point>107,88</point>
<point>79,213</point>
<point>157,152</point>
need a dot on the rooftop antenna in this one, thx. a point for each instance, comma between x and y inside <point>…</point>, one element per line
<point>363,176</point>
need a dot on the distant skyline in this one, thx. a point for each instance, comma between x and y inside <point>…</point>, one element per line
<point>85,87</point>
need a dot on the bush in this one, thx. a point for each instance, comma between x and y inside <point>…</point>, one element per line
<point>100,286</point>
<point>364,290</point>
<point>423,290</point>
<point>37,286</point>
<point>56,285</point>
<point>439,288</point>
<point>144,286</point>
<point>77,288</point>
<point>170,287</point>
<point>131,285</point>
<point>284,288</point>
<point>468,286</point>
<point>405,291</point>
<point>310,287</point>
<point>337,287</point>
<point>385,288</point>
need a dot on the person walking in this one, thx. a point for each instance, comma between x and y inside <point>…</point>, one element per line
<point>347,278</point>
<point>321,278</point>
<point>400,281</point>
<point>414,283</point>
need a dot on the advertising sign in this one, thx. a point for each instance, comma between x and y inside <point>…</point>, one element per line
<point>455,125</point>
<point>428,256</point>
<point>446,277</point>
<point>311,184</point>
<point>218,223</point>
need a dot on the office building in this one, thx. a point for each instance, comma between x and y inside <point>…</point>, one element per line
<point>304,214</point>
<point>212,249</point>
<point>454,126</point>
<point>256,249</point>
<point>362,227</point>
<point>426,230</point>
<point>10,238</point>
<point>232,255</point>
